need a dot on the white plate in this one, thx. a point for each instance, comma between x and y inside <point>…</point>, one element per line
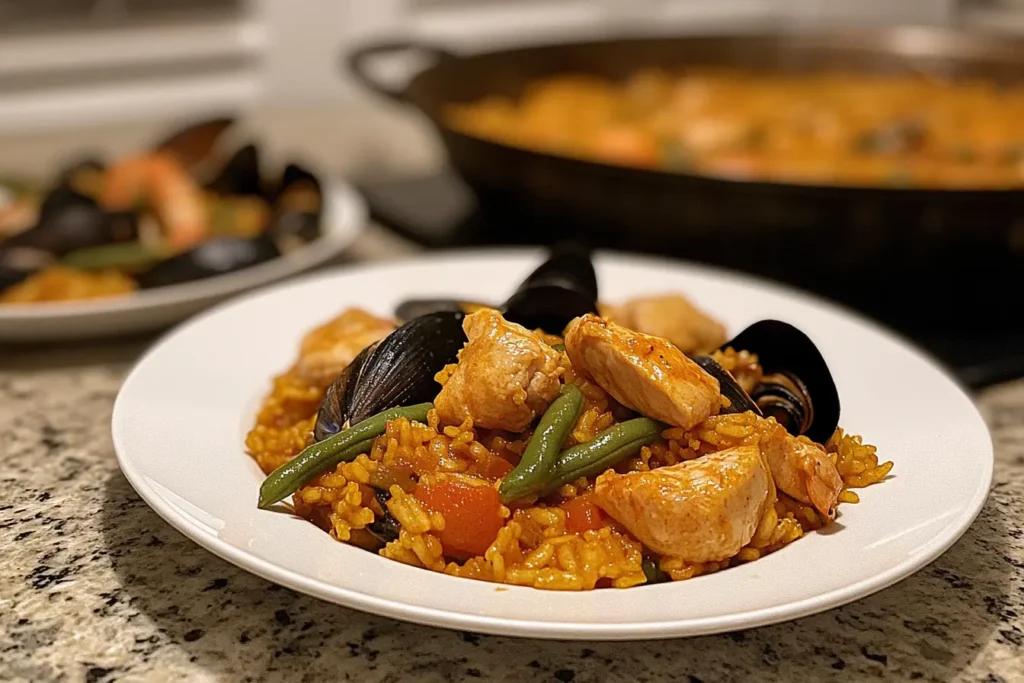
<point>344,216</point>
<point>180,420</point>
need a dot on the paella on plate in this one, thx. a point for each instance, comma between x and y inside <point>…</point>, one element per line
<point>557,442</point>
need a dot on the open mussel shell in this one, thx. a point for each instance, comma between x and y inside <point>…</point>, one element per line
<point>297,207</point>
<point>240,175</point>
<point>560,289</point>
<point>797,387</point>
<point>786,398</point>
<point>69,220</point>
<point>331,416</point>
<point>739,400</point>
<point>211,258</point>
<point>398,371</point>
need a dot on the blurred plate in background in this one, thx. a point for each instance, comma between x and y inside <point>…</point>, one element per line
<point>344,217</point>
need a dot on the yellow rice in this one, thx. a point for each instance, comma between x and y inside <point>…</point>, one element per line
<point>533,548</point>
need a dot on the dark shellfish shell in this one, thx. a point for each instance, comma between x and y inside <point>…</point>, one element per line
<point>240,175</point>
<point>69,220</point>
<point>414,308</point>
<point>297,207</point>
<point>385,527</point>
<point>739,400</point>
<point>560,289</point>
<point>797,386</point>
<point>785,397</point>
<point>213,257</point>
<point>329,419</point>
<point>195,146</point>
<point>398,371</point>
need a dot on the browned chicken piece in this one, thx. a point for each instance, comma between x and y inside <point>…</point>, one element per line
<point>642,372</point>
<point>701,510</point>
<point>328,349</point>
<point>672,317</point>
<point>505,377</point>
<point>803,470</point>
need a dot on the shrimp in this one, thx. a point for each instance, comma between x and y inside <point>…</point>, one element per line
<point>702,510</point>
<point>174,195</point>
<point>803,470</point>
<point>645,373</point>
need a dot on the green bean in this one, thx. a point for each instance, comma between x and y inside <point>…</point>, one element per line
<point>324,455</point>
<point>607,448</point>
<point>127,256</point>
<point>650,570</point>
<point>541,454</point>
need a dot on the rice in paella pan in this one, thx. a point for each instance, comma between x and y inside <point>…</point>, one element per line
<point>555,443</point>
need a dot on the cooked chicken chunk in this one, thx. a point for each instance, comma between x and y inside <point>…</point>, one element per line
<point>642,372</point>
<point>328,349</point>
<point>505,377</point>
<point>672,317</point>
<point>702,510</point>
<point>803,470</point>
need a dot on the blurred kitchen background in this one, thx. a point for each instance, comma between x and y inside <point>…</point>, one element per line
<point>106,76</point>
<point>91,63</point>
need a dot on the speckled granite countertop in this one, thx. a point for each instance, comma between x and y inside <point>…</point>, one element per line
<point>95,587</point>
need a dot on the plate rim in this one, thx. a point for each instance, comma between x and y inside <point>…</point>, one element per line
<point>345,216</point>
<point>553,630</point>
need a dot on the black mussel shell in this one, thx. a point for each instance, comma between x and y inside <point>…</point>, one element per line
<point>19,263</point>
<point>739,400</point>
<point>295,175</point>
<point>414,308</point>
<point>385,527</point>
<point>795,373</point>
<point>399,371</point>
<point>240,175</point>
<point>297,206</point>
<point>69,220</point>
<point>195,145</point>
<point>560,289</point>
<point>330,418</point>
<point>211,258</point>
<point>786,398</point>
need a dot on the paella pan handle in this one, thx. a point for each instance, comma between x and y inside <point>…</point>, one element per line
<point>358,60</point>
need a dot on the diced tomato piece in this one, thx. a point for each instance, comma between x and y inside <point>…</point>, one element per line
<point>495,468</point>
<point>472,515</point>
<point>581,514</point>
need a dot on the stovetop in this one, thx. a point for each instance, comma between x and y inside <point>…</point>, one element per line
<point>439,211</point>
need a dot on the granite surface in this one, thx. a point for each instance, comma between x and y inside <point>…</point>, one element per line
<point>95,587</point>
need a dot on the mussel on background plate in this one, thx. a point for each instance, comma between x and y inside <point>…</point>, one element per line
<point>200,212</point>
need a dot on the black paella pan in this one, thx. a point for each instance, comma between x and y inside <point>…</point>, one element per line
<point>897,252</point>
